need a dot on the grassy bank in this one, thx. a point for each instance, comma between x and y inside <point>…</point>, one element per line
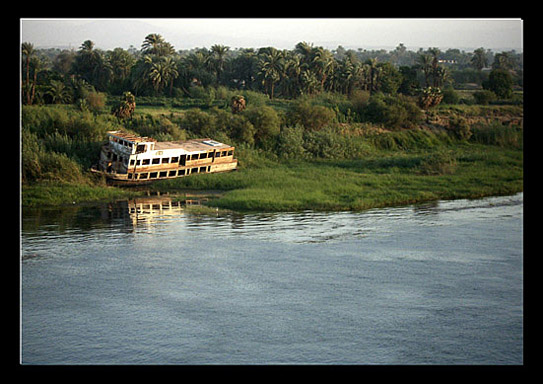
<point>47,193</point>
<point>468,171</point>
<point>293,164</point>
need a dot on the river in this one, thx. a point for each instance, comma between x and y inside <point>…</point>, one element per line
<point>146,282</point>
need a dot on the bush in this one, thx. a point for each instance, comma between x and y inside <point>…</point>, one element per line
<point>95,101</point>
<point>484,97</point>
<point>199,123</point>
<point>311,117</point>
<point>500,82</point>
<point>450,96</point>
<point>241,129</point>
<point>460,127</point>
<point>392,111</point>
<point>266,122</point>
<point>430,97</point>
<point>290,143</point>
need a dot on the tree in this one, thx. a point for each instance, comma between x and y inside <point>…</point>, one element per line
<point>479,60</point>
<point>237,104</point>
<point>425,65</point>
<point>323,64</point>
<point>27,50</point>
<point>58,92</point>
<point>218,59</point>
<point>500,82</point>
<point>270,69</point>
<point>154,44</point>
<point>125,107</point>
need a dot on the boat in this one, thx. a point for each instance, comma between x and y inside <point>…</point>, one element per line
<point>131,159</point>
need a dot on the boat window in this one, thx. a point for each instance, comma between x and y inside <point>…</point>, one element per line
<point>163,174</point>
<point>172,173</point>
<point>181,172</point>
<point>203,155</point>
<point>203,169</point>
<point>230,153</point>
<point>165,160</point>
<point>194,170</point>
<point>143,175</point>
<point>153,175</point>
<point>132,162</point>
<point>156,160</point>
<point>140,148</point>
<point>174,160</point>
<point>145,162</point>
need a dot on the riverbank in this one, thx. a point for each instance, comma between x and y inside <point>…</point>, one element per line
<point>270,185</point>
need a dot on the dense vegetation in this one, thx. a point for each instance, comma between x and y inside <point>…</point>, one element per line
<point>314,129</point>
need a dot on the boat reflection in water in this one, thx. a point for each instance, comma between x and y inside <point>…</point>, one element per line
<point>146,210</point>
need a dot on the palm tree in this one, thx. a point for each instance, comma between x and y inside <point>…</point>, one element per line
<point>27,51</point>
<point>58,92</point>
<point>425,64</point>
<point>218,59</point>
<point>270,65</point>
<point>162,73</point>
<point>372,72</point>
<point>479,60</point>
<point>434,52</point>
<point>323,64</point>
<point>38,65</point>
<point>154,44</point>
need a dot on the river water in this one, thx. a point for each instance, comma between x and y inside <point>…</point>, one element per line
<point>146,282</point>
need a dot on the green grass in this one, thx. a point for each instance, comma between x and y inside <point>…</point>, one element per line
<point>377,181</point>
<point>47,193</point>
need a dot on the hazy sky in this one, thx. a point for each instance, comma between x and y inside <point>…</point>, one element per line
<point>468,34</point>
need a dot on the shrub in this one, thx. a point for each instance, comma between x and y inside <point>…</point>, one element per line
<point>311,117</point>
<point>500,82</point>
<point>460,127</point>
<point>266,122</point>
<point>450,96</point>
<point>199,123</point>
<point>241,129</point>
<point>484,97</point>
<point>290,143</point>
<point>430,97</point>
<point>95,101</point>
<point>392,111</point>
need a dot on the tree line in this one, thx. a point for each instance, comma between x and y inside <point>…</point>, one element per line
<point>157,69</point>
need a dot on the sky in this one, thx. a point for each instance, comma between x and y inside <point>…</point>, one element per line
<point>281,33</point>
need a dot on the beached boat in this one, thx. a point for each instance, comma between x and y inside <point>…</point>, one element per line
<point>134,159</point>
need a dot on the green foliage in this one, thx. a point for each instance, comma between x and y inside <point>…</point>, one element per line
<point>450,96</point>
<point>498,134</point>
<point>199,123</point>
<point>311,117</point>
<point>484,97</point>
<point>439,163</point>
<point>392,111</point>
<point>266,123</point>
<point>500,82</point>
<point>290,143</point>
<point>460,127</point>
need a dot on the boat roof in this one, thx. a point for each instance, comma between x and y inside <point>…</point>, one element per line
<point>194,145</point>
<point>130,137</point>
